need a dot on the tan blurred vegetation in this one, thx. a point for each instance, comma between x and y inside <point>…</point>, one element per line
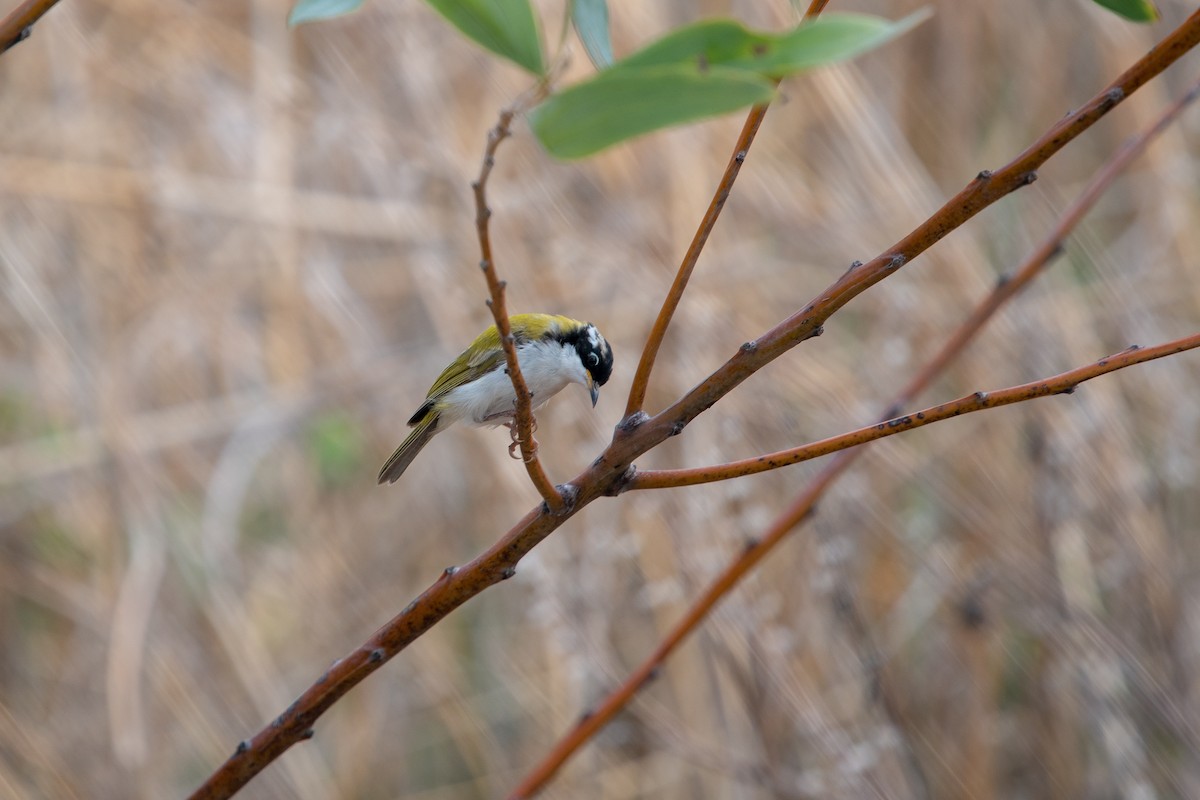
<point>233,257</point>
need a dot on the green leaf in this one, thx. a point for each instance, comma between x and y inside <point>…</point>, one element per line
<point>590,18</point>
<point>506,27</point>
<point>620,104</point>
<point>827,39</point>
<point>1136,10</point>
<point>313,10</point>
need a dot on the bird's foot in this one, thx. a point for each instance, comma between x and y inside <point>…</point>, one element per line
<point>516,441</point>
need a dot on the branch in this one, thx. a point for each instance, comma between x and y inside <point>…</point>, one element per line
<point>18,25</point>
<point>1064,383</point>
<point>639,434</point>
<point>523,417</point>
<point>1033,265</point>
<point>641,378</point>
<point>1007,288</point>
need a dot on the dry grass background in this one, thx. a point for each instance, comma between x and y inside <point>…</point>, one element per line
<point>232,258</point>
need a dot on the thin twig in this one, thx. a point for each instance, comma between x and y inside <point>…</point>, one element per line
<point>1059,384</point>
<point>1007,288</point>
<point>605,475</point>
<point>641,377</point>
<point>523,416</point>
<point>17,26</point>
<point>1033,265</point>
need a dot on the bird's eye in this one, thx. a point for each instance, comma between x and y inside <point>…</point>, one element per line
<point>593,359</point>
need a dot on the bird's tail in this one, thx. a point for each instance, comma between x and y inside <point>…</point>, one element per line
<point>394,467</point>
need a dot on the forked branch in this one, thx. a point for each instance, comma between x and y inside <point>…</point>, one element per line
<point>605,475</point>
<point>741,566</point>
<point>1005,290</point>
<point>1064,383</point>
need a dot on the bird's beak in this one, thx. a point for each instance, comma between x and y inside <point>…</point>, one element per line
<point>593,389</point>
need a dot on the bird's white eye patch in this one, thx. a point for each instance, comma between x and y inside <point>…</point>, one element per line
<point>593,359</point>
<point>593,336</point>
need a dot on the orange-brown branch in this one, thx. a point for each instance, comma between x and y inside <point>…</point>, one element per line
<point>1033,265</point>
<point>637,436</point>
<point>800,508</point>
<point>17,25</point>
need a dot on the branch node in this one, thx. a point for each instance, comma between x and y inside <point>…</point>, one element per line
<point>632,422</point>
<point>1114,96</point>
<point>1029,177</point>
<point>448,571</point>
<point>242,747</point>
<point>1068,390</point>
<point>855,264</point>
<point>485,265</point>
<point>569,494</point>
<point>897,261</point>
<point>751,543</point>
<point>817,331</point>
<point>749,347</point>
<point>507,573</point>
<point>376,655</point>
<point>740,156</point>
<point>984,175</point>
<point>1133,348</point>
<point>622,482</point>
<point>678,427</point>
<point>307,734</point>
<point>1002,279</point>
<point>981,397</point>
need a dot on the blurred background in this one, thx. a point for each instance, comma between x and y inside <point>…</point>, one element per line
<point>233,257</point>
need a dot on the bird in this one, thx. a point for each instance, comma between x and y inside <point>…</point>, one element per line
<point>475,388</point>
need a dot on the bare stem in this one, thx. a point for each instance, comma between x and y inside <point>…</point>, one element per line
<point>641,378</point>
<point>1005,290</point>
<point>17,26</point>
<point>605,475</point>
<point>523,417</point>
<point>800,508</point>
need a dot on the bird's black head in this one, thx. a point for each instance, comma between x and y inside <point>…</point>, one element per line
<point>594,352</point>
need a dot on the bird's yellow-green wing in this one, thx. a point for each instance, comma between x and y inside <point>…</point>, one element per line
<point>485,354</point>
